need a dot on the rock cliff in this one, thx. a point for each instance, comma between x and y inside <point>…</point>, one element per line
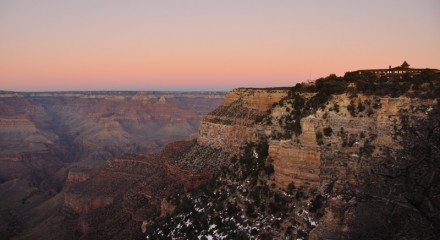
<point>284,163</point>
<point>233,124</point>
<point>349,142</point>
<point>324,143</point>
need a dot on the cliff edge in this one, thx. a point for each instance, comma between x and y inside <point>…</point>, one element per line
<point>315,161</point>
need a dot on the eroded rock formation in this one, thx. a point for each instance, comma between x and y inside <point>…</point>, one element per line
<point>48,140</point>
<point>233,124</point>
<point>340,154</point>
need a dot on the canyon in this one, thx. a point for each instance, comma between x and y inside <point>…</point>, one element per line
<point>313,161</point>
<point>51,141</point>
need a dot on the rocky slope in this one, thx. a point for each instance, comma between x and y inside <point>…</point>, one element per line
<point>233,124</point>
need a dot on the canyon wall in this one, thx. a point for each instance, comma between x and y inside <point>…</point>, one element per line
<point>130,189</point>
<point>324,141</point>
<point>50,142</point>
<point>341,153</point>
<point>87,128</point>
<point>233,124</point>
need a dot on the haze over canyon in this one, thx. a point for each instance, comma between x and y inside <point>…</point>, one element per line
<point>46,135</point>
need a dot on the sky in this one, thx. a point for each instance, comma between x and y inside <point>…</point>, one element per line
<point>63,45</point>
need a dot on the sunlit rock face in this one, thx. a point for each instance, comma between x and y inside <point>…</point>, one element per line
<point>336,157</point>
<point>233,124</point>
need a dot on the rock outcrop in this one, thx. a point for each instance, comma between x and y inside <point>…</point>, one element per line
<point>233,124</point>
<point>350,140</point>
<point>77,175</point>
<point>166,208</point>
<point>84,204</point>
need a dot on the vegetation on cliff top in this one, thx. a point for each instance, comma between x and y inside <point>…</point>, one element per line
<point>424,85</point>
<point>370,84</point>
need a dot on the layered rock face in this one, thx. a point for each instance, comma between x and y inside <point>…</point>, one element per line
<point>224,132</point>
<point>299,161</point>
<point>331,148</point>
<point>341,153</point>
<point>232,125</point>
<point>295,164</point>
<point>322,137</point>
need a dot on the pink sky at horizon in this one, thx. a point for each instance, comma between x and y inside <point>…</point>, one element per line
<point>54,45</point>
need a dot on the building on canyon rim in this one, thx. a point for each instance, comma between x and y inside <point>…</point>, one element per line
<point>401,70</point>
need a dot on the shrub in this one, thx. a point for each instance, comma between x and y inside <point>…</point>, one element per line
<point>276,206</point>
<point>328,131</point>
<point>297,126</point>
<point>336,107</point>
<point>319,135</point>
<point>361,107</point>
<point>352,109</point>
<point>259,118</point>
<point>299,194</point>
<point>232,209</point>
<point>316,203</point>
<point>290,187</point>
<point>269,170</point>
<point>299,102</point>
<point>367,149</point>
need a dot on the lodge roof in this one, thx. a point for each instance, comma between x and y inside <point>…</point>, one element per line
<point>404,64</point>
<point>404,67</point>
